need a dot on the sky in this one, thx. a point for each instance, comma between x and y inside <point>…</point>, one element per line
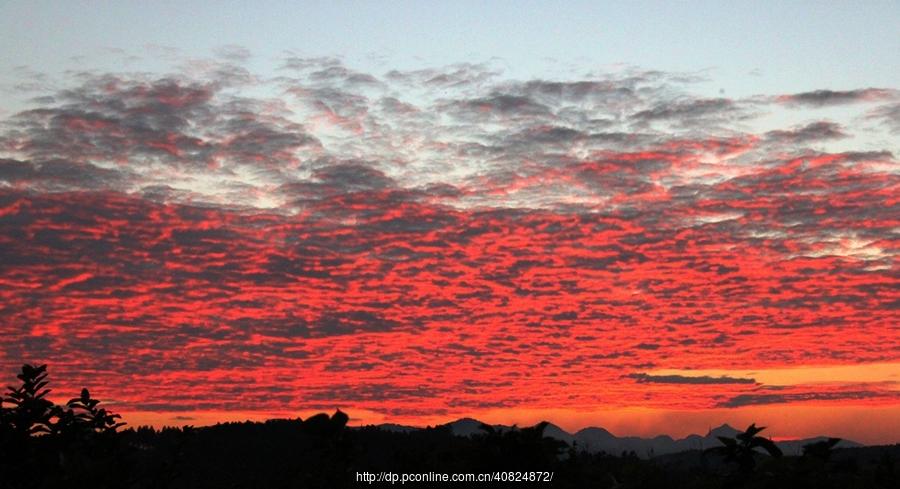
<point>654,217</point>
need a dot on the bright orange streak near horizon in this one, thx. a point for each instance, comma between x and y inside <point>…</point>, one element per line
<point>884,372</point>
<point>870,425</point>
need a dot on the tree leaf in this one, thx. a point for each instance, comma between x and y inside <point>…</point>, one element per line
<point>767,445</point>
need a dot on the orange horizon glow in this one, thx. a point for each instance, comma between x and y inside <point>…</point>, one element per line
<point>869,425</point>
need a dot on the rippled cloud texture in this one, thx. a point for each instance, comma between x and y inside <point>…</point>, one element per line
<point>444,241</point>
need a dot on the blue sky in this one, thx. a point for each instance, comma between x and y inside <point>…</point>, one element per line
<point>746,47</point>
<point>736,49</point>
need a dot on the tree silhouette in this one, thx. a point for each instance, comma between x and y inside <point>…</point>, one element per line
<point>522,447</point>
<point>321,425</point>
<point>821,450</point>
<point>742,449</point>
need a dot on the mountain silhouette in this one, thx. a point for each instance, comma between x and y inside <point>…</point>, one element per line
<point>599,440</point>
<point>725,430</point>
<point>469,427</point>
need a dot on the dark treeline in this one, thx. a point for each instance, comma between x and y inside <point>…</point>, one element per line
<point>82,445</point>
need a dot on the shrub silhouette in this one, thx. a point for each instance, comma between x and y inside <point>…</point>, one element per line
<point>93,419</point>
<point>31,413</point>
<point>41,440</point>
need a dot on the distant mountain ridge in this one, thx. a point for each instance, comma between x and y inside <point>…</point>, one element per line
<point>595,439</point>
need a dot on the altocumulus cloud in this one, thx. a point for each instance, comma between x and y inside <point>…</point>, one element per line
<point>298,239</point>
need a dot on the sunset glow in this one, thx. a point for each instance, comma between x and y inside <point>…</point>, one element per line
<point>619,247</point>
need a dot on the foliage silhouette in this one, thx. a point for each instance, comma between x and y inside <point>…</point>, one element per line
<point>742,449</point>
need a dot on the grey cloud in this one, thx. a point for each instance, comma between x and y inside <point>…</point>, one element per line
<point>578,91</point>
<point>688,110</point>
<point>816,131</point>
<point>889,115</point>
<point>353,176</point>
<point>342,74</point>
<point>501,104</point>
<point>57,174</point>
<point>396,107</point>
<point>301,63</point>
<point>683,379</point>
<point>824,98</point>
<point>114,120</point>
<point>351,322</point>
<point>371,392</point>
<point>233,53</point>
<point>755,399</point>
<point>460,75</point>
